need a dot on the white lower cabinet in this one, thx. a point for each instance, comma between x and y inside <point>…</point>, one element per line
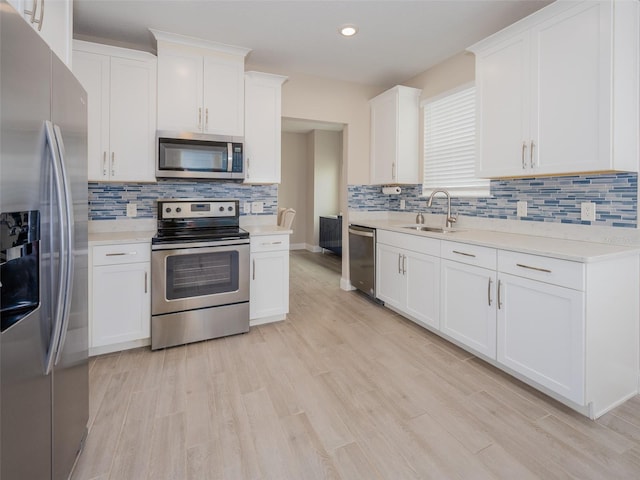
<point>567,328</point>
<point>269,285</point>
<point>119,297</point>
<point>408,280</point>
<point>468,306</point>
<point>467,298</point>
<point>541,334</point>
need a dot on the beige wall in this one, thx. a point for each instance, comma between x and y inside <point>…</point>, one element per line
<point>327,166</point>
<point>447,75</point>
<point>316,98</point>
<point>292,192</point>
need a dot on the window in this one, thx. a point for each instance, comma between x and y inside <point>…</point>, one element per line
<point>449,144</point>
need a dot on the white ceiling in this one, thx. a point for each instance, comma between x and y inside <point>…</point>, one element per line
<point>397,40</point>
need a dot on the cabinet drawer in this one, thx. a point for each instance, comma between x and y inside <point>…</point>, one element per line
<point>269,243</point>
<point>470,254</point>
<point>545,269</point>
<point>121,253</point>
<point>406,241</point>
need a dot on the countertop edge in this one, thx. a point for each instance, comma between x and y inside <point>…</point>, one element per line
<point>571,250</point>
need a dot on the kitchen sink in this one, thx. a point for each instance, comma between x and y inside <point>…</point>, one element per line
<point>425,228</point>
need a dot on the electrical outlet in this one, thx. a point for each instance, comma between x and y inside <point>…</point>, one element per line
<point>132,210</point>
<point>522,208</point>
<point>257,207</point>
<point>588,211</point>
<point>403,205</point>
<point>247,208</point>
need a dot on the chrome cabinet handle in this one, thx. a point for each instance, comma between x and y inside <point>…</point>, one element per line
<point>206,119</point>
<point>104,164</point>
<point>393,171</point>
<point>524,147</point>
<point>489,301</point>
<point>40,18</point>
<point>537,269</point>
<point>399,264</point>
<point>248,163</point>
<point>404,264</point>
<point>531,154</point>
<point>145,282</point>
<point>113,164</point>
<point>254,269</point>
<point>499,295</point>
<point>199,118</point>
<point>463,253</point>
<point>32,12</point>
<point>119,254</point>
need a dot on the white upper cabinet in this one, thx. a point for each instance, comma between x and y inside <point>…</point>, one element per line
<point>121,90</point>
<point>558,92</point>
<point>53,20</point>
<point>395,136</point>
<point>200,86</point>
<point>263,126</point>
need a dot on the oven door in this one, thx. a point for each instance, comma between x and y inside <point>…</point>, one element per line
<point>201,277</point>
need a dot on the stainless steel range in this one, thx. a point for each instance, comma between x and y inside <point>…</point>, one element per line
<point>199,272</point>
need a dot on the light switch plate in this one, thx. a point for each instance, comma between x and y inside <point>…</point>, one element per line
<point>588,211</point>
<point>522,208</point>
<point>132,210</point>
<point>247,207</point>
<point>257,207</point>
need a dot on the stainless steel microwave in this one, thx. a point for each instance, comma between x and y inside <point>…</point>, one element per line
<point>191,155</point>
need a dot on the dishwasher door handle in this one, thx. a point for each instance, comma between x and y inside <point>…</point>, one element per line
<point>361,233</point>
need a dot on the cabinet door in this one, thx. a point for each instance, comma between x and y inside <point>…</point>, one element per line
<point>180,92</point>
<point>390,280</point>
<point>121,304</point>
<point>132,120</point>
<point>384,124</point>
<point>57,27</point>
<point>570,119</point>
<point>223,96</point>
<point>423,288</point>
<point>262,128</point>
<point>541,334</point>
<point>468,306</point>
<point>269,284</point>
<point>503,109</point>
<point>92,70</point>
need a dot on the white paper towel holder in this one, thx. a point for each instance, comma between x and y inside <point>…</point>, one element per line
<point>393,190</point>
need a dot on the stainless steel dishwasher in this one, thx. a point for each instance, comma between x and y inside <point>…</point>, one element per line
<point>362,258</point>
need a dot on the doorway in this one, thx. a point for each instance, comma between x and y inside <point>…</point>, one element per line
<point>313,182</point>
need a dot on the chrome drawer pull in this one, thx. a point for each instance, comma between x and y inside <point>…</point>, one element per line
<point>119,254</point>
<point>489,291</point>
<point>537,269</point>
<point>499,295</point>
<point>465,254</point>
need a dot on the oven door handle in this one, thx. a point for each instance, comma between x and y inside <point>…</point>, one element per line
<point>194,245</point>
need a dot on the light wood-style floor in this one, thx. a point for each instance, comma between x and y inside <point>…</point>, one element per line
<point>343,389</point>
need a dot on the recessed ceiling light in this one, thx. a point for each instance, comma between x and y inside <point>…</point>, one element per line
<point>348,30</point>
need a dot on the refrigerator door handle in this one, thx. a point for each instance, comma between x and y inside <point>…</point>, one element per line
<point>69,231</point>
<point>59,296</point>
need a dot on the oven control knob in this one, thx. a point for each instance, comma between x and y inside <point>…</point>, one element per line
<point>178,209</point>
<point>222,209</point>
<point>230,208</point>
<point>168,210</point>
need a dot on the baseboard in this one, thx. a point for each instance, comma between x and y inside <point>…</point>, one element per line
<point>273,318</point>
<point>117,347</point>
<point>313,248</point>
<point>346,284</point>
<point>297,246</point>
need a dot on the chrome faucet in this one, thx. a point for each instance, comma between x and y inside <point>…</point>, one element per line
<point>450,220</point>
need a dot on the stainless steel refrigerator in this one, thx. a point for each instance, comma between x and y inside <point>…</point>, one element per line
<point>44,404</point>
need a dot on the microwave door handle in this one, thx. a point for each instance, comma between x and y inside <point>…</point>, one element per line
<point>229,157</point>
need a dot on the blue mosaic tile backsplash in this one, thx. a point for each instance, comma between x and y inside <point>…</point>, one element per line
<point>549,199</point>
<point>108,201</point>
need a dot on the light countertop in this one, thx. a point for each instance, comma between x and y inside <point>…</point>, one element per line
<point>573,250</point>
<point>111,238</point>
<point>258,230</point>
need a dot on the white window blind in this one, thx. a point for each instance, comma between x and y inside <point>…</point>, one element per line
<point>449,145</point>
